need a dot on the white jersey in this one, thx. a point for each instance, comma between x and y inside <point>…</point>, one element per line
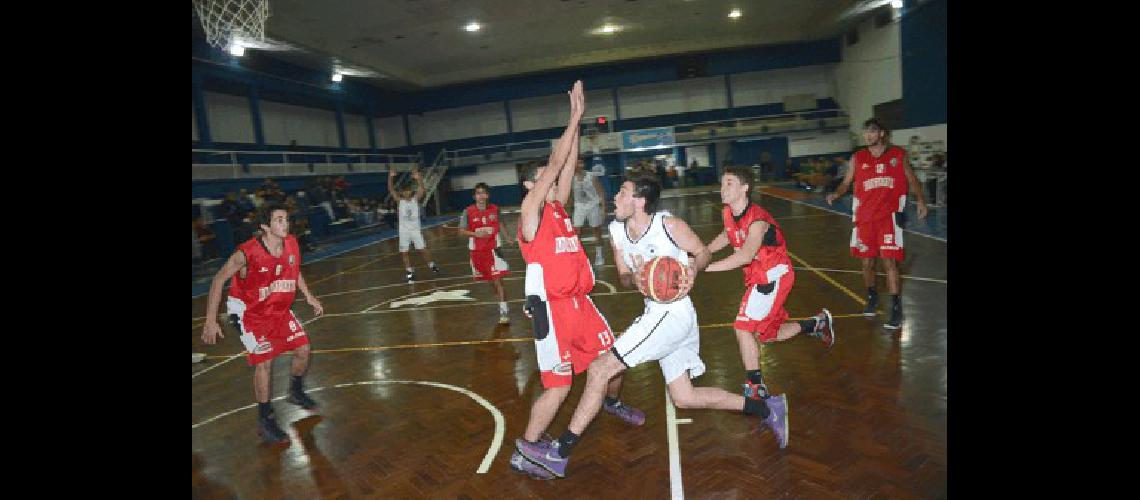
<point>584,192</point>
<point>655,242</point>
<point>409,214</point>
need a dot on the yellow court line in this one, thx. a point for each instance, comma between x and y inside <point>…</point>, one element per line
<point>828,279</point>
<point>491,341</point>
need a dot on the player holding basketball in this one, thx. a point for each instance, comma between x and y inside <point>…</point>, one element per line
<point>569,332</point>
<point>665,332</point>
<point>408,206</point>
<point>758,244</point>
<point>268,275</point>
<point>881,174</point>
<point>479,222</point>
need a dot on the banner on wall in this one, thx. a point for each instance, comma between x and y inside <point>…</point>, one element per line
<point>648,138</point>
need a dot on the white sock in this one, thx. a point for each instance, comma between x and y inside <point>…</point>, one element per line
<point>503,308</point>
<point>431,264</point>
<point>410,270</point>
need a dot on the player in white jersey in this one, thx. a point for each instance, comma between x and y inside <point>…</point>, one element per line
<point>589,205</point>
<point>665,332</point>
<point>408,212</point>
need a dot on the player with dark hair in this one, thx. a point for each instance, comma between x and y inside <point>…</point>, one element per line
<point>480,223</point>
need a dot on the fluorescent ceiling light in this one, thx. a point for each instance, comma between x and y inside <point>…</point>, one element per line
<point>734,14</point>
<point>896,4</point>
<point>473,26</point>
<point>337,77</point>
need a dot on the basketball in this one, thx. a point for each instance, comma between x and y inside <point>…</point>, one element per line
<point>662,278</point>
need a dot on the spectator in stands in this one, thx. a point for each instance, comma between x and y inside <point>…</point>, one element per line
<point>246,201</point>
<point>231,210</point>
<point>299,222</point>
<point>837,172</point>
<point>320,196</point>
<point>206,238</point>
<point>342,184</point>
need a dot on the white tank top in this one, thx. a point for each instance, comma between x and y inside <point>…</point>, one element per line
<point>655,242</point>
<point>584,192</point>
<point>409,212</point>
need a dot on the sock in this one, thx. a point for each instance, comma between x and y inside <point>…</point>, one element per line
<point>296,383</point>
<point>566,443</point>
<point>265,410</point>
<point>611,401</point>
<point>895,301</point>
<point>754,376</point>
<point>503,308</point>
<point>756,407</point>
<point>807,325</point>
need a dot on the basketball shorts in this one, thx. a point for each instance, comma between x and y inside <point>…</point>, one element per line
<point>488,265</point>
<point>407,238</point>
<point>265,337</point>
<point>668,335</point>
<point>569,333</point>
<point>879,238</point>
<point>589,214</point>
<point>762,307</point>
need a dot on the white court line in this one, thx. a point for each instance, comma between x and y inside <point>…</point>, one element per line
<point>432,289</point>
<point>220,363</point>
<point>613,289</point>
<point>500,426</point>
<point>843,214</point>
<point>676,488</point>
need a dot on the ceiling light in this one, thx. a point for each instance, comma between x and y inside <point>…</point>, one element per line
<point>607,29</point>
<point>896,4</point>
<point>337,77</point>
<point>473,26</point>
<point>237,49</point>
<point>734,14</point>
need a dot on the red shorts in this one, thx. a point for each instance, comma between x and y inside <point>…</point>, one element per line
<point>568,334</point>
<point>265,338</point>
<point>486,265</point>
<point>882,237</point>
<point>762,308</point>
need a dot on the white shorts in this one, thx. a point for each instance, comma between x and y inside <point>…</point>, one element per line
<point>668,335</point>
<point>408,237</point>
<point>590,214</point>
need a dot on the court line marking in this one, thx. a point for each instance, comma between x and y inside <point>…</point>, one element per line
<point>500,425</point>
<point>676,488</point>
<point>843,214</point>
<point>432,289</point>
<point>488,341</point>
<point>828,279</point>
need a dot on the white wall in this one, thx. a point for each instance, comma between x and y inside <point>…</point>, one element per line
<point>355,131</point>
<point>819,143</point>
<point>870,72</point>
<point>458,123</point>
<point>771,86</point>
<point>308,126</point>
<point>553,110</point>
<point>230,119</point>
<point>390,132</point>
<point>682,96</point>
<point>499,174</point>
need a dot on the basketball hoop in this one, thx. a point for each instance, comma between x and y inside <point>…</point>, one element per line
<point>228,22</point>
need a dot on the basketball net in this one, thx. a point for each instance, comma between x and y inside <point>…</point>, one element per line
<point>229,21</point>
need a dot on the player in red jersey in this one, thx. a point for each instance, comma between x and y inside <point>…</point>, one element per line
<point>569,331</point>
<point>758,244</point>
<point>480,222</point>
<point>881,174</point>
<point>266,273</point>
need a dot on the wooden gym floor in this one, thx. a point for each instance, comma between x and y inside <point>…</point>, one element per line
<point>425,398</point>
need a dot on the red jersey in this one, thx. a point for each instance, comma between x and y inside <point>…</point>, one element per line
<point>483,218</point>
<point>771,254</point>
<point>270,283</point>
<point>556,265</point>
<point>880,184</point>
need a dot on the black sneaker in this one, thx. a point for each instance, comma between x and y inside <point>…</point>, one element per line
<point>269,431</point>
<point>824,330</point>
<point>872,305</point>
<point>301,399</point>
<point>410,277</point>
<point>896,319</point>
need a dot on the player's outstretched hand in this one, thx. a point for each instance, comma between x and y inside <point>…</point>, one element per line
<point>922,211</point>
<point>318,309</point>
<point>831,198</point>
